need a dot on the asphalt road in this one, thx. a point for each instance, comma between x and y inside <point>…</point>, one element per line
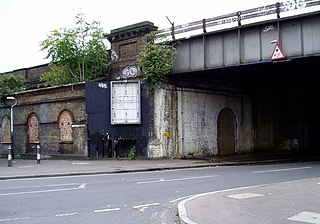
<point>146,197</point>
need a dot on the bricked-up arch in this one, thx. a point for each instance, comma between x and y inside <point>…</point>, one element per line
<point>65,126</point>
<point>5,130</point>
<point>226,132</point>
<point>33,129</point>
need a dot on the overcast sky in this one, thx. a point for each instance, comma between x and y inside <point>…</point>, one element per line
<point>25,23</point>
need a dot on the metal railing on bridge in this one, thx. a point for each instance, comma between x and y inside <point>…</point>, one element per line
<point>238,17</point>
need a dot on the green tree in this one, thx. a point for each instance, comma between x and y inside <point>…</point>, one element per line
<point>77,54</point>
<point>156,60</point>
<point>10,83</point>
<point>57,76</point>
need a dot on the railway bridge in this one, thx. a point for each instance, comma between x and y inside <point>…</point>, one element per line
<point>251,86</point>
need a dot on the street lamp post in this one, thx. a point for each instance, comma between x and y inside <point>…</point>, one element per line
<point>10,148</point>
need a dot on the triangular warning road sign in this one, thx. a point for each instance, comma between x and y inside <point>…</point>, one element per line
<point>277,53</point>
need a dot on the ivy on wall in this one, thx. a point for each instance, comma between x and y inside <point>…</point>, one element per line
<point>156,60</point>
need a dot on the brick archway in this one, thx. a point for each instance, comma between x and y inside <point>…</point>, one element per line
<point>33,129</point>
<point>5,130</point>
<point>226,132</point>
<point>65,126</point>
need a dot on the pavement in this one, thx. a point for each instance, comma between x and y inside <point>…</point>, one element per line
<point>290,202</point>
<point>197,208</point>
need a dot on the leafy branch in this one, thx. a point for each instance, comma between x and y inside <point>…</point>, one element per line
<point>156,60</point>
<point>77,54</point>
<point>11,83</point>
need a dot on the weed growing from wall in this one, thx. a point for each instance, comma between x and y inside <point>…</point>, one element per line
<point>156,60</point>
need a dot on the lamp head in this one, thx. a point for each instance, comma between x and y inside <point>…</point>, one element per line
<point>10,98</point>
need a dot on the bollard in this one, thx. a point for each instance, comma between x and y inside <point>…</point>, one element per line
<point>9,156</point>
<point>38,154</point>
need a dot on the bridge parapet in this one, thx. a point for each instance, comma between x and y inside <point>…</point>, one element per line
<point>297,36</point>
<point>238,17</point>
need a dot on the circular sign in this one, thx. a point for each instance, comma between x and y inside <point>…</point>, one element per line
<point>129,71</point>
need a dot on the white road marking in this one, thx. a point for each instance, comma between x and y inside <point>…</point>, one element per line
<point>281,170</point>
<point>146,205</point>
<point>308,217</point>
<point>106,210</point>
<point>175,179</point>
<point>67,214</point>
<point>96,175</point>
<point>179,199</point>
<point>82,186</point>
<point>81,163</point>
<point>73,175</point>
<point>14,219</point>
<point>38,186</point>
<point>43,191</point>
<point>244,196</point>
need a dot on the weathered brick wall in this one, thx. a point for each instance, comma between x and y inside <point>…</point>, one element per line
<point>126,43</point>
<point>47,104</point>
<point>32,74</point>
<point>127,51</point>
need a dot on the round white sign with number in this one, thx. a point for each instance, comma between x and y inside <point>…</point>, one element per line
<point>129,71</point>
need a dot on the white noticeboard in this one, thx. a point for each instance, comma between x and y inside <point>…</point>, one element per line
<point>125,102</point>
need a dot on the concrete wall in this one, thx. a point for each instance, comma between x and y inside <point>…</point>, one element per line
<point>198,115</point>
<point>48,104</point>
<point>164,136</point>
<point>185,122</point>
